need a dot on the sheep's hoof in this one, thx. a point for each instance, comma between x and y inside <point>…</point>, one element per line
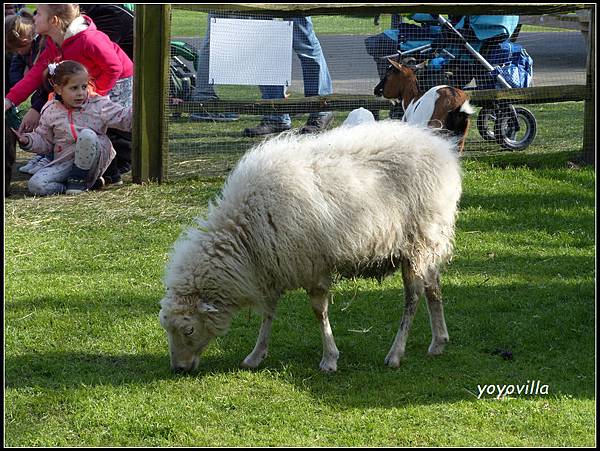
<point>251,362</point>
<point>328,366</point>
<point>393,361</point>
<point>248,366</point>
<point>437,348</point>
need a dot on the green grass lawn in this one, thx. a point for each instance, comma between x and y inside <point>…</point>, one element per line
<point>86,360</point>
<point>193,23</point>
<point>209,149</point>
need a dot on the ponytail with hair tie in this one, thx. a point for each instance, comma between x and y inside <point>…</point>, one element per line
<point>52,68</point>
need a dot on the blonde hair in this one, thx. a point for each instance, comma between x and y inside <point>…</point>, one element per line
<point>19,30</point>
<point>65,12</point>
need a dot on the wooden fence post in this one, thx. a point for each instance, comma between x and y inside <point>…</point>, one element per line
<point>150,92</point>
<point>589,118</point>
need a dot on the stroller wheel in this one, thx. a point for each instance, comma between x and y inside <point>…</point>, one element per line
<point>515,132</point>
<point>485,123</point>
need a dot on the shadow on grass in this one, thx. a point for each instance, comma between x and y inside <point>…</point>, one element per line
<point>551,338</point>
<point>497,264</point>
<point>526,212</point>
<point>507,159</point>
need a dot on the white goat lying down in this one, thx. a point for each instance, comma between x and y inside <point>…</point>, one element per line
<point>297,209</point>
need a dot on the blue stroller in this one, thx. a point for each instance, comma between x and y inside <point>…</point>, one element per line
<point>467,52</point>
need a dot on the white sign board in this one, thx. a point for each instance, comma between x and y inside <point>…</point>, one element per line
<point>250,52</point>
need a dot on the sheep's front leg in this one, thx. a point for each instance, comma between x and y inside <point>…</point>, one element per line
<point>319,300</point>
<point>439,332</point>
<point>413,289</point>
<point>262,343</point>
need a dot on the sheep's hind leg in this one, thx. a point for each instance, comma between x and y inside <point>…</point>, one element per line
<point>439,332</point>
<point>262,343</point>
<point>413,289</point>
<point>319,301</point>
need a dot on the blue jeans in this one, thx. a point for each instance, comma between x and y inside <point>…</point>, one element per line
<point>306,45</point>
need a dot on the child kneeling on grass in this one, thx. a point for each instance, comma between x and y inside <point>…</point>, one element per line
<point>72,131</point>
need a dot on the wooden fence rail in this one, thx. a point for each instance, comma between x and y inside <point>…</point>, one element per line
<point>344,102</point>
<point>150,132</point>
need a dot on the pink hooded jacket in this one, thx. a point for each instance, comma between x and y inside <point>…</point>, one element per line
<point>105,61</point>
<point>60,125</point>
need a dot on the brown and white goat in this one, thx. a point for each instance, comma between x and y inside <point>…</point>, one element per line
<point>442,107</point>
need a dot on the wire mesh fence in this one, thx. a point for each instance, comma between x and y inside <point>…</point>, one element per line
<point>221,63</point>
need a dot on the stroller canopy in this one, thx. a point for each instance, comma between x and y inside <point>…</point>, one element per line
<point>486,27</point>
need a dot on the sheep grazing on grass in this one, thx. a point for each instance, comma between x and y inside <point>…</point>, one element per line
<point>360,201</point>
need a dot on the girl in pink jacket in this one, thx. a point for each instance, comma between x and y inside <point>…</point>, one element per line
<point>72,131</point>
<point>71,36</point>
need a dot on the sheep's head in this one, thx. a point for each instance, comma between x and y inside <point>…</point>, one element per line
<point>190,328</point>
<point>398,78</point>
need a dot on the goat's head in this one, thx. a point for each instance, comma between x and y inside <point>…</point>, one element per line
<point>398,77</point>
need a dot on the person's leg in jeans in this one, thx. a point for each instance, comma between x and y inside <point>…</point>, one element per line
<point>315,73</point>
<point>317,81</point>
<point>271,123</point>
<point>282,121</point>
<point>50,179</point>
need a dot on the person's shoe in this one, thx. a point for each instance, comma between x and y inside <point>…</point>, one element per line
<point>75,186</point>
<point>124,168</point>
<point>98,184</point>
<point>266,129</point>
<point>113,180</point>
<point>30,164</point>
<point>39,165</point>
<point>317,123</point>
<point>214,117</point>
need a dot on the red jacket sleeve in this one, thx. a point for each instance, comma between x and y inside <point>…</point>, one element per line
<point>100,49</point>
<point>32,80</point>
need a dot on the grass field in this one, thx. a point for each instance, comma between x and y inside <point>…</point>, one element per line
<point>193,23</point>
<point>210,149</point>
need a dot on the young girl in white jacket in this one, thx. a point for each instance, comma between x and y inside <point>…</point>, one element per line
<point>72,131</point>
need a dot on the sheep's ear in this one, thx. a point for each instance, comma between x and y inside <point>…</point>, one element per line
<point>204,307</point>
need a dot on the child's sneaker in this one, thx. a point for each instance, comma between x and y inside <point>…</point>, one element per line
<point>30,164</point>
<point>76,186</point>
<point>39,165</point>
<point>98,184</point>
<point>113,180</point>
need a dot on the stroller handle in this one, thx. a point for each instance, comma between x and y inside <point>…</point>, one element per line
<point>471,50</point>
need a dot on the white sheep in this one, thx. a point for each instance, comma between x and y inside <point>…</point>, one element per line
<point>363,201</point>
